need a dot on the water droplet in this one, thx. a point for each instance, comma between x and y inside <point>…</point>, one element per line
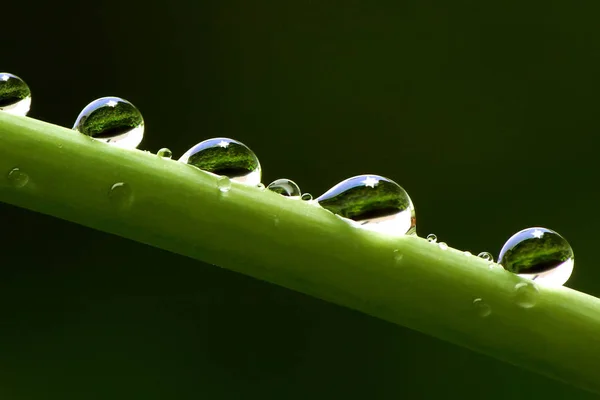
<point>223,184</point>
<point>225,157</point>
<point>306,197</point>
<point>538,254</point>
<point>375,202</point>
<point>526,294</point>
<point>121,196</point>
<point>17,178</point>
<point>112,120</point>
<point>164,153</point>
<point>482,308</point>
<point>431,238</point>
<point>443,245</point>
<point>261,186</point>
<point>15,96</point>
<point>486,256</point>
<point>467,253</point>
<point>398,256</point>
<point>285,187</point>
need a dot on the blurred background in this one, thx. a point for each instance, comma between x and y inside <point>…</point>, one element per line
<point>484,112</point>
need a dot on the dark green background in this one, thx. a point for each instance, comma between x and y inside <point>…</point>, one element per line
<point>486,112</point>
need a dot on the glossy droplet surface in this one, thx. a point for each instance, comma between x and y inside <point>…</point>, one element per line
<point>375,202</point>
<point>526,294</point>
<point>120,196</point>
<point>486,256</point>
<point>431,238</point>
<point>164,153</point>
<point>443,245</point>
<point>15,96</point>
<point>224,184</point>
<point>306,197</point>
<point>285,187</point>
<point>227,157</point>
<point>112,120</point>
<point>17,178</point>
<point>538,254</point>
<point>482,309</point>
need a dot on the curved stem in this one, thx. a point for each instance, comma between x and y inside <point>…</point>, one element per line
<point>405,280</point>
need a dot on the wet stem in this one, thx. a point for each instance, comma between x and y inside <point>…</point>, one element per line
<point>407,280</point>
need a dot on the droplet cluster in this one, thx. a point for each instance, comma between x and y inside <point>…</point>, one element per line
<point>369,202</point>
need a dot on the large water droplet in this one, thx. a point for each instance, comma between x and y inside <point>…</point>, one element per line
<point>15,96</point>
<point>285,187</point>
<point>375,202</point>
<point>526,294</point>
<point>431,238</point>
<point>538,254</point>
<point>486,256</point>
<point>482,308</point>
<point>17,178</point>
<point>121,196</point>
<point>164,153</point>
<point>112,120</point>
<point>227,157</point>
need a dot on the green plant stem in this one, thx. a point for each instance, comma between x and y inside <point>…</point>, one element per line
<point>405,280</point>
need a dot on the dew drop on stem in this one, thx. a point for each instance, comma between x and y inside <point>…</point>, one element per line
<point>15,96</point>
<point>225,157</point>
<point>120,196</point>
<point>538,254</point>
<point>486,256</point>
<point>112,120</point>
<point>17,178</point>
<point>372,202</point>
<point>285,187</point>
<point>165,153</point>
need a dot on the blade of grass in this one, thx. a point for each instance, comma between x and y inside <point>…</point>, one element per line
<point>405,280</point>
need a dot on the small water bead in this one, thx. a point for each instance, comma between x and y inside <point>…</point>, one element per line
<point>112,120</point>
<point>17,178</point>
<point>164,153</point>
<point>431,238</point>
<point>261,186</point>
<point>398,256</point>
<point>224,184</point>
<point>375,202</point>
<point>526,294</point>
<point>15,96</point>
<point>227,157</point>
<point>285,187</point>
<point>482,308</point>
<point>443,245</point>
<point>486,256</point>
<point>306,197</point>
<point>538,254</point>
<point>467,253</point>
<point>121,196</point>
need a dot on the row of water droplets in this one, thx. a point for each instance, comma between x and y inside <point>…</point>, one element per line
<point>369,202</point>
